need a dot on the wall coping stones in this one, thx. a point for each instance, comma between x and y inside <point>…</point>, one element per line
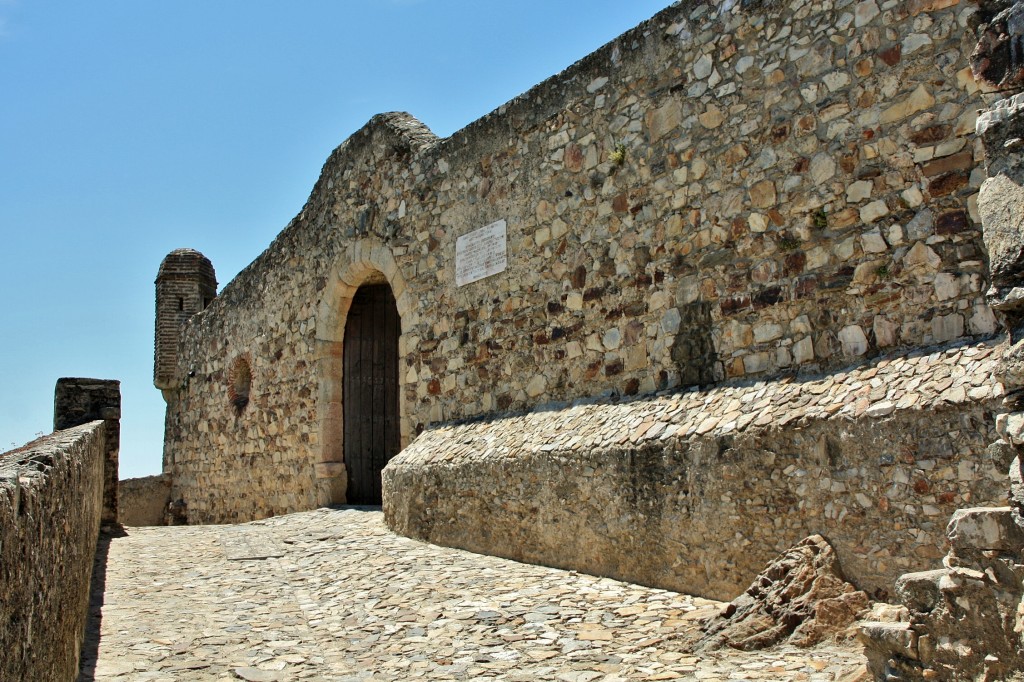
<point>35,457</point>
<point>920,379</point>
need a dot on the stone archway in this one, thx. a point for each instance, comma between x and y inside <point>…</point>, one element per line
<point>366,262</point>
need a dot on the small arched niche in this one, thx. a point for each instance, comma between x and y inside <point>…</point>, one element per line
<point>239,384</point>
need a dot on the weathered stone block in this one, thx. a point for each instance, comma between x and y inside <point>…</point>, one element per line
<point>897,638</point>
<point>985,528</point>
<point>665,119</point>
<point>920,591</point>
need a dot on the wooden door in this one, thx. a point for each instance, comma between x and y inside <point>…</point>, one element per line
<point>370,391</point>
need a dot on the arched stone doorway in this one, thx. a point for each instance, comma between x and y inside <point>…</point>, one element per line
<point>370,400</point>
<point>365,262</point>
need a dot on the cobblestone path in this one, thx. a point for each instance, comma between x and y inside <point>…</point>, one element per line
<point>333,595</point>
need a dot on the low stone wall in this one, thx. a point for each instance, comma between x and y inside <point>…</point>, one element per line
<point>696,491</point>
<point>143,501</point>
<point>51,502</point>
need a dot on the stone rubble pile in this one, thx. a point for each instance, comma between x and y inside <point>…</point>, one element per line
<point>959,622</point>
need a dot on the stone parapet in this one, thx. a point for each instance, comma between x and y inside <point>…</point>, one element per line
<point>697,490</point>
<point>78,401</point>
<point>143,501</point>
<point>51,503</point>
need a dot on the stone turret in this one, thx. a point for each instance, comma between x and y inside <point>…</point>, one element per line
<point>185,285</point>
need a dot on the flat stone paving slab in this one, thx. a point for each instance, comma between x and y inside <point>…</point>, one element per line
<point>349,600</point>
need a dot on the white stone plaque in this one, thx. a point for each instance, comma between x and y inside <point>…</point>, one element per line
<point>481,253</point>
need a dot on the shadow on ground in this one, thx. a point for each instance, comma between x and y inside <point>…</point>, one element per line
<point>97,589</point>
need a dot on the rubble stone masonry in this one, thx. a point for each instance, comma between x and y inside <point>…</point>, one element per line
<point>77,401</point>
<point>696,491</point>
<point>730,192</point>
<point>51,503</point>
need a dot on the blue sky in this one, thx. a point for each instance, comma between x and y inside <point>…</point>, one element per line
<point>131,128</point>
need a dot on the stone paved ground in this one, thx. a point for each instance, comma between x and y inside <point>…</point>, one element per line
<point>339,597</point>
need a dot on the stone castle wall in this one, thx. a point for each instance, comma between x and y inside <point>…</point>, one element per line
<point>728,191</point>
<point>51,503</point>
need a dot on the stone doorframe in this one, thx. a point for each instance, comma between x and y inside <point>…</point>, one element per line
<point>365,261</point>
